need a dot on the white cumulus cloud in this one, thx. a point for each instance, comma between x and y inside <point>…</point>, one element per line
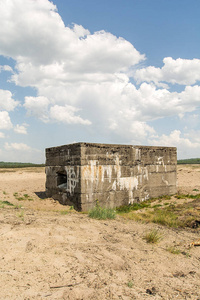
<point>21,129</point>
<point>37,106</point>
<point>65,114</point>
<point>17,146</point>
<point>175,139</point>
<point>86,78</point>
<point>5,122</point>
<point>6,68</point>
<point>180,71</point>
<point>6,101</point>
<point>64,64</point>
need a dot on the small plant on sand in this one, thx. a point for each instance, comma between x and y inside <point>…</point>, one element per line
<point>152,237</point>
<point>173,250</point>
<point>22,198</point>
<point>3,203</point>
<point>130,283</point>
<point>64,212</point>
<point>17,206</point>
<point>21,215</point>
<point>102,213</point>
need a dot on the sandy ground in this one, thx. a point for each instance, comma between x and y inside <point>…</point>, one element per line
<point>46,254</point>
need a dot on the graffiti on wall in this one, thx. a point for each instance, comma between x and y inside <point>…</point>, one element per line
<point>68,181</point>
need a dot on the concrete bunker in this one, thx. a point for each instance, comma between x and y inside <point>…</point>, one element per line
<point>81,173</point>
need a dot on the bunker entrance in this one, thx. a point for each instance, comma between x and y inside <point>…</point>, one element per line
<point>62,180</point>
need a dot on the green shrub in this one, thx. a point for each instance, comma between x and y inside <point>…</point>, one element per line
<point>165,217</point>
<point>102,213</point>
<point>152,237</point>
<point>132,207</point>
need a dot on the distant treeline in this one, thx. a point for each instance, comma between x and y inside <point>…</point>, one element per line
<point>18,165</point>
<point>188,161</point>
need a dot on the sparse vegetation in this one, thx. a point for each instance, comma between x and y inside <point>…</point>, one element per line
<point>3,203</point>
<point>184,196</point>
<point>173,250</point>
<point>102,213</point>
<point>21,215</point>
<point>64,212</point>
<point>130,284</point>
<point>23,197</point>
<point>171,214</point>
<point>134,206</point>
<point>152,237</point>
<point>141,205</point>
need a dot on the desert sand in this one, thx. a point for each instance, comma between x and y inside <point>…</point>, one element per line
<point>49,251</point>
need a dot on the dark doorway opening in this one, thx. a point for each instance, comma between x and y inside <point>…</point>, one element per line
<point>61,180</point>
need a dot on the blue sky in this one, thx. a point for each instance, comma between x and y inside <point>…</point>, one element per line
<point>124,72</point>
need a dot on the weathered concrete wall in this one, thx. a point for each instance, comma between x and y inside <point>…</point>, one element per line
<point>79,174</point>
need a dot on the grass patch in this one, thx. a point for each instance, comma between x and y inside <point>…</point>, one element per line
<point>156,205</point>
<point>21,215</point>
<point>165,217</point>
<point>152,237</point>
<point>173,250</point>
<point>22,198</point>
<point>7,203</point>
<point>130,284</point>
<point>64,212</point>
<point>133,207</point>
<point>171,215</point>
<point>185,196</point>
<point>102,213</point>
<point>141,205</point>
<point>17,206</point>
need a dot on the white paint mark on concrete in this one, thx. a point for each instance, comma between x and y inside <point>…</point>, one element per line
<point>160,160</point>
<point>108,171</point>
<point>114,185</point>
<point>165,181</point>
<point>128,183</point>
<point>137,154</point>
<point>72,179</point>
